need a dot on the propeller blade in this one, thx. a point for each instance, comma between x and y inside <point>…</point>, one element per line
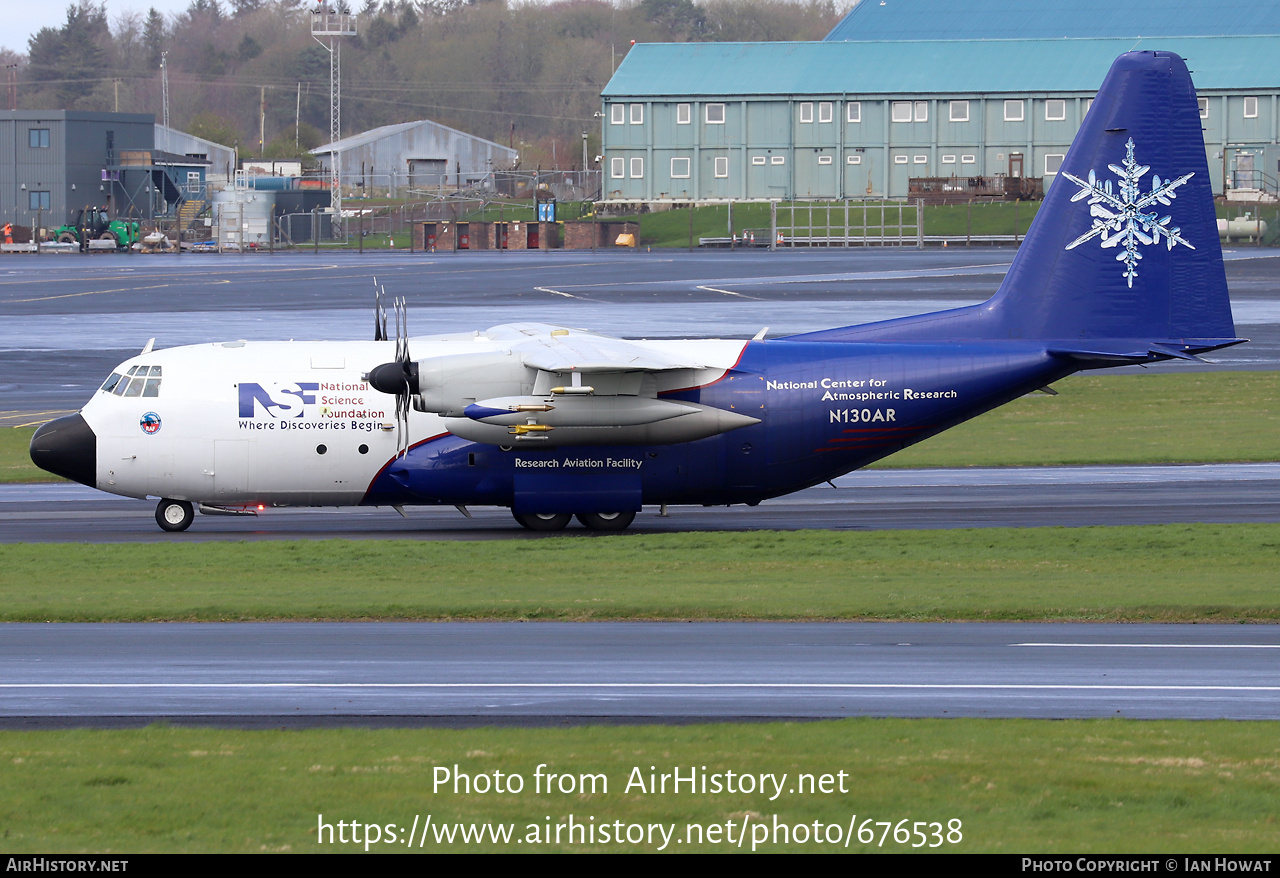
<point>379,313</point>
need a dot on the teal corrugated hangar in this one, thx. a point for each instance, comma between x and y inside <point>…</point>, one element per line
<point>850,117</point>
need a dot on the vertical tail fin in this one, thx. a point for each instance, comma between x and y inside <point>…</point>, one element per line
<point>1126,242</point>
<point>1125,246</point>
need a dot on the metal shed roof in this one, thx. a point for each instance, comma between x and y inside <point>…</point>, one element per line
<point>1033,19</point>
<point>925,66</point>
<point>374,134</point>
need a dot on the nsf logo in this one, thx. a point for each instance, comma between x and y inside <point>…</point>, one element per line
<point>150,423</point>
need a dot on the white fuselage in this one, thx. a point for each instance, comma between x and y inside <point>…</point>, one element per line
<point>240,424</point>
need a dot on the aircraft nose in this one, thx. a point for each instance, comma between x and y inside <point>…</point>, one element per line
<point>67,447</point>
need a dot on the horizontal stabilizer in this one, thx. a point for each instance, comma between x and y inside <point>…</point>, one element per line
<point>1131,352</point>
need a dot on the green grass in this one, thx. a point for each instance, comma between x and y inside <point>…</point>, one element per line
<point>1015,786</point>
<point>1201,417</point>
<point>985,218</point>
<point>1225,572</point>
<point>1197,417</point>
<point>15,460</point>
<point>670,228</point>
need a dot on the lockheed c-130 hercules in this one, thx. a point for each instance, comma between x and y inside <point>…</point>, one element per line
<point>1122,265</point>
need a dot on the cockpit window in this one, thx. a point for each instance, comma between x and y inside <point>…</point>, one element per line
<point>138,381</point>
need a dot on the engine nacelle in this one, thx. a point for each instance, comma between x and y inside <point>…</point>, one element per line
<point>447,385</point>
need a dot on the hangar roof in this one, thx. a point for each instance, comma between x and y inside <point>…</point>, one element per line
<point>375,134</point>
<point>926,66</point>
<point>1033,19</point>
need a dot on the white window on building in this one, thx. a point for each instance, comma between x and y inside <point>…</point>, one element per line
<point>637,114</point>
<point>715,114</point>
<point>1088,105</point>
<point>683,114</point>
<point>853,111</point>
<point>757,160</point>
<point>853,160</point>
<point>824,111</point>
<point>899,159</point>
<point>722,166</point>
<point>637,167</point>
<point>806,112</point>
<point>1251,108</point>
<point>1055,110</point>
<point>922,111</point>
<point>959,111</point>
<point>679,168</point>
<point>618,114</point>
<point>901,111</point>
<point>948,160</point>
<point>1013,111</point>
<point>968,160</point>
<point>777,159</point>
<point>1204,107</point>
<point>1052,162</point>
<point>921,159</point>
<point>617,167</point>
<point>824,159</point>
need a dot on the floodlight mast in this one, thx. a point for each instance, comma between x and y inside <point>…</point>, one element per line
<point>164,94</point>
<point>333,26</point>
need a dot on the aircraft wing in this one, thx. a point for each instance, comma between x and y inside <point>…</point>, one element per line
<point>619,403</point>
<point>557,349</point>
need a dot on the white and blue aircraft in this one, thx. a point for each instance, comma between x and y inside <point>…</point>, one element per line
<point>1121,266</point>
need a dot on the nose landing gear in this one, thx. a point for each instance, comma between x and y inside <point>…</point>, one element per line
<point>174,515</point>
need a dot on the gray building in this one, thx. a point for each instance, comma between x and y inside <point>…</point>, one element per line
<point>854,116</point>
<point>415,155</point>
<point>53,162</point>
<point>222,159</point>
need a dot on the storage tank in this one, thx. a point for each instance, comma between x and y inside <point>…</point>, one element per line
<point>242,218</point>
<point>1243,227</point>
<point>275,184</point>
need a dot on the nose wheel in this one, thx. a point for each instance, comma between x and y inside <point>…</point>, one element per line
<point>174,515</point>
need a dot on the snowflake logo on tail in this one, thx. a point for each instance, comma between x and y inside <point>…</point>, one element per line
<point>1123,220</point>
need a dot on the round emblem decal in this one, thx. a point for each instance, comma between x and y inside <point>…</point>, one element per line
<point>150,423</point>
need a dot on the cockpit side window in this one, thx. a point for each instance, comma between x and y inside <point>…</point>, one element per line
<point>110,384</point>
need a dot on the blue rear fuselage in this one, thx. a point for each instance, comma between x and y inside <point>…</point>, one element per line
<point>824,408</point>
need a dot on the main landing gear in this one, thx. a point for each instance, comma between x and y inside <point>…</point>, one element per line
<point>174,515</point>
<point>550,521</point>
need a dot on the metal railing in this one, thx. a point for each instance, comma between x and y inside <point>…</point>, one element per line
<point>849,223</point>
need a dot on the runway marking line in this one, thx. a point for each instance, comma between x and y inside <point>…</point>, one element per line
<point>89,293</point>
<point>1158,645</point>
<point>730,293</point>
<point>1089,687</point>
<point>558,293</point>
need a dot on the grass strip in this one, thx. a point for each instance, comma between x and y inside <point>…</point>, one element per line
<point>1016,786</point>
<point>1197,417</point>
<point>1183,572</point>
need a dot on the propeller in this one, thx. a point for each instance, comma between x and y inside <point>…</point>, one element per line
<point>399,377</point>
<point>379,312</point>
